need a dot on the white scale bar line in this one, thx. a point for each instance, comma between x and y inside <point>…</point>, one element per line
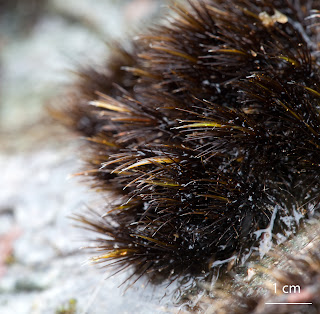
<point>287,303</point>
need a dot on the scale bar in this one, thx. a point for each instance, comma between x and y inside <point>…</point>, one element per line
<point>286,303</point>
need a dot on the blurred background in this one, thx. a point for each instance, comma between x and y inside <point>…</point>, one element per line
<point>42,269</point>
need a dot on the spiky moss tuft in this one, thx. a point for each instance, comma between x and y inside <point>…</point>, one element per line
<point>209,130</point>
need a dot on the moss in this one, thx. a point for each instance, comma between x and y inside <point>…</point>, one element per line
<point>70,308</point>
<point>208,131</point>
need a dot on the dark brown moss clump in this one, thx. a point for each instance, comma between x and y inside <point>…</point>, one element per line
<point>209,130</point>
